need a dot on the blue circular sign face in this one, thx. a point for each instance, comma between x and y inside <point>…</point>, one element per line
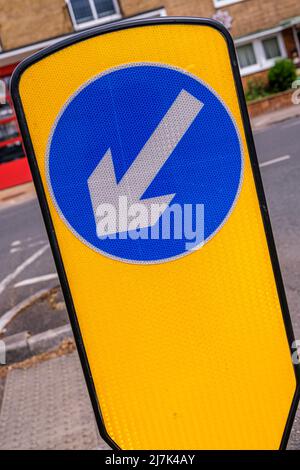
<point>144,163</point>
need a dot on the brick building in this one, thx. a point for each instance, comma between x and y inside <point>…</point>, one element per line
<point>263,31</point>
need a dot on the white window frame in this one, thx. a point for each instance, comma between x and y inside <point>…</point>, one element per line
<point>159,12</point>
<point>225,3</point>
<point>96,20</point>
<point>262,62</point>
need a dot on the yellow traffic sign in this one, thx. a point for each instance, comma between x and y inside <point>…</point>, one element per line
<point>143,159</point>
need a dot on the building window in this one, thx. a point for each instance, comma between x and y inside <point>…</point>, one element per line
<point>260,54</point>
<point>86,13</point>
<point>105,7</point>
<point>150,14</point>
<point>246,55</point>
<point>271,48</point>
<point>82,11</point>
<point>224,3</point>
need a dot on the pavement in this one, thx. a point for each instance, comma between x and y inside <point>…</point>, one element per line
<point>268,119</point>
<point>16,195</point>
<point>46,407</point>
<point>45,404</point>
<point>50,401</point>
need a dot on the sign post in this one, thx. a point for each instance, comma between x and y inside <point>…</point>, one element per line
<point>143,159</point>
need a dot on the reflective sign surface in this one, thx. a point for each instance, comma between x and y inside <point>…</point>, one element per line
<point>137,140</point>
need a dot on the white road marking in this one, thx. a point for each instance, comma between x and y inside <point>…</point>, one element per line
<point>15,250</point>
<point>41,242</point>
<point>10,314</point>
<point>35,280</point>
<point>6,281</point>
<point>275,160</point>
<point>16,245</point>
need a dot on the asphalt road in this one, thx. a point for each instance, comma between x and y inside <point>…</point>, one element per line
<point>25,258</point>
<point>281,181</point>
<point>23,237</point>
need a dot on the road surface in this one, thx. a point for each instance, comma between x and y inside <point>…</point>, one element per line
<point>281,182</point>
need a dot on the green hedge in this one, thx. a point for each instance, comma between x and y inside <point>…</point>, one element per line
<point>280,78</point>
<point>282,75</point>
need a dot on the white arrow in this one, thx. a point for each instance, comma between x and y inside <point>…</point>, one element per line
<point>102,183</point>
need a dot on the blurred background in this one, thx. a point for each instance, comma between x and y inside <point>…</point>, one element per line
<point>263,32</point>
<point>34,327</point>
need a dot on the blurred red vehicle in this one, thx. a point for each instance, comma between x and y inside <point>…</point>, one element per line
<point>14,168</point>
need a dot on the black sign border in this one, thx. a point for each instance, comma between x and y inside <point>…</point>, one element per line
<point>117,26</point>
